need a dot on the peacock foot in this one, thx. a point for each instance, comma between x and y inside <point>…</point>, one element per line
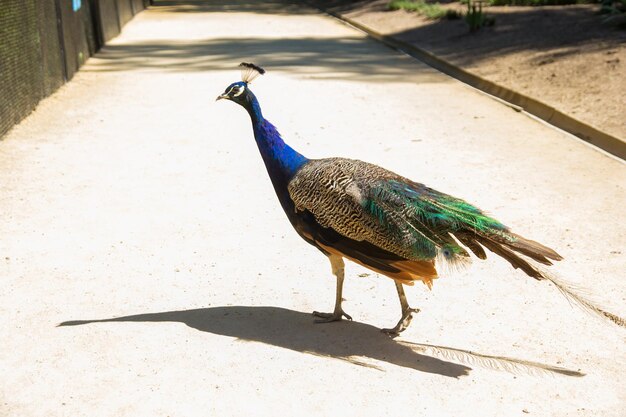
<point>330,317</point>
<point>402,325</point>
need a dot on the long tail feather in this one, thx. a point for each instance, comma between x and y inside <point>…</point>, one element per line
<point>471,244</point>
<point>536,251</point>
<point>573,294</point>
<point>531,248</point>
<point>510,256</point>
<point>498,363</point>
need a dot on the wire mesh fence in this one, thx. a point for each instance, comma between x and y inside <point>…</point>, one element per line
<point>44,43</point>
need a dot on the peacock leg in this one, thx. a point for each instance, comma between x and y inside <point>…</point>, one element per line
<point>407,314</point>
<point>337,265</point>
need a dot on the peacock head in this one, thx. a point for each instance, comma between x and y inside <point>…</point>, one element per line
<point>239,91</point>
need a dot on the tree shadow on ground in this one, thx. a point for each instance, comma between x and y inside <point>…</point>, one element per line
<point>557,32</point>
<point>349,341</point>
<point>279,7</point>
<point>562,30</point>
<point>348,58</point>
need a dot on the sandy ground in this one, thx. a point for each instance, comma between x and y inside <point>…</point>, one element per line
<point>566,56</point>
<point>137,209</point>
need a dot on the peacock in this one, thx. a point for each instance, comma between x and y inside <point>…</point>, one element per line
<point>404,230</point>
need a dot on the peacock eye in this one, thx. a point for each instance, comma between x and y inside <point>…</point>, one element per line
<point>238,90</point>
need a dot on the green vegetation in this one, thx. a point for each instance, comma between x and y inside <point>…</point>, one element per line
<point>475,17</point>
<point>612,7</point>
<point>615,12</point>
<point>428,10</point>
<point>537,2</point>
<point>549,2</point>
<point>534,2</point>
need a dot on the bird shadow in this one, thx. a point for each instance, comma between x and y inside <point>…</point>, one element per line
<point>354,342</point>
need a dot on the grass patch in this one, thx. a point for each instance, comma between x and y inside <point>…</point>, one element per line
<point>537,2</point>
<point>428,10</point>
<point>475,18</point>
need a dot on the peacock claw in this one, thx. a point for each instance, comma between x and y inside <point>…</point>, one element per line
<point>402,325</point>
<point>330,317</point>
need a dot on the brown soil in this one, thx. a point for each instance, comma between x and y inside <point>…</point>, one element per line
<point>566,56</point>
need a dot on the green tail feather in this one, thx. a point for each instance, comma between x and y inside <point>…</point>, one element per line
<point>429,219</point>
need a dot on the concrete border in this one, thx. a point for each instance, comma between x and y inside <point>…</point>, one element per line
<point>513,99</point>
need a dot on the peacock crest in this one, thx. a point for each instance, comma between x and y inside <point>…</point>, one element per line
<point>249,72</point>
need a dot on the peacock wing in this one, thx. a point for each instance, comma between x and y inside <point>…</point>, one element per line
<point>368,203</point>
<point>333,190</point>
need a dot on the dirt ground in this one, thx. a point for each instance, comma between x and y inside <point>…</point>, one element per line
<point>564,56</point>
<point>147,269</point>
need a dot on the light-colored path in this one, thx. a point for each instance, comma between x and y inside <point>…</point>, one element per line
<point>131,194</point>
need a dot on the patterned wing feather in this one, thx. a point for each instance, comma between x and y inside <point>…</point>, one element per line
<point>336,191</point>
<point>365,202</point>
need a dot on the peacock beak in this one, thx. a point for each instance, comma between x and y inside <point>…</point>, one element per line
<point>221,96</point>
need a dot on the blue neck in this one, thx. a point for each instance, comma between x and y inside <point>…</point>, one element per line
<point>281,160</point>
